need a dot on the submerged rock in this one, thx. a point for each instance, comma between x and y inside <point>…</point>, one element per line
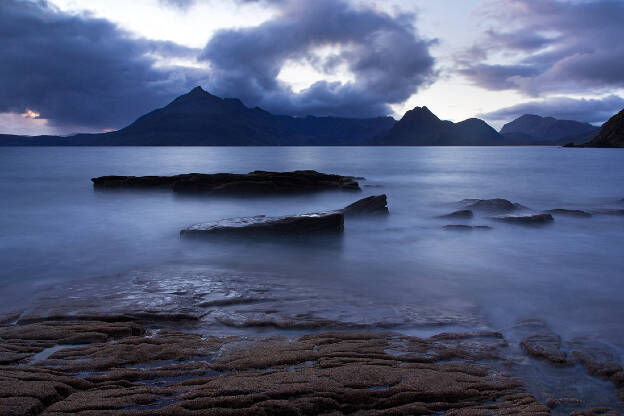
<point>257,182</point>
<point>610,212</point>
<point>464,213</point>
<point>496,204</point>
<point>461,227</point>
<point>570,212</point>
<point>304,224</point>
<point>371,205</point>
<point>537,219</point>
<point>546,346</point>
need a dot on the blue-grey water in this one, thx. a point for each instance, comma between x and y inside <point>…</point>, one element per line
<point>66,245</point>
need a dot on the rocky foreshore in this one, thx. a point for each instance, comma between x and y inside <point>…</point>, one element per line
<point>117,367</point>
<point>106,364</point>
<point>256,182</point>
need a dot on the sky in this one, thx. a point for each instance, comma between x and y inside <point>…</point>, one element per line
<point>90,65</point>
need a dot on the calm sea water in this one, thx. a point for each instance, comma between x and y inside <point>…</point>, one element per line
<point>62,242</point>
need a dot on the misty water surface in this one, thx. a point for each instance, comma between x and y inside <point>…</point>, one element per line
<point>57,230</point>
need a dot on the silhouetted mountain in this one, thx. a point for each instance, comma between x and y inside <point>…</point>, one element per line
<point>533,129</point>
<point>420,127</point>
<point>611,134</point>
<point>199,118</point>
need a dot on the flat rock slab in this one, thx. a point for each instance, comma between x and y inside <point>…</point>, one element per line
<point>303,224</point>
<point>257,182</point>
<point>538,219</point>
<point>462,227</point>
<point>568,212</point>
<point>263,225</point>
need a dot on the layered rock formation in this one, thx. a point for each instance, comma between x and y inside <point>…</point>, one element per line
<point>125,368</point>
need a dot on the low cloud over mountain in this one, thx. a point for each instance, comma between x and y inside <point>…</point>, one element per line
<point>386,58</point>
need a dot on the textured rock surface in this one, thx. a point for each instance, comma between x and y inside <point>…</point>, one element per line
<point>257,182</point>
<point>167,372</point>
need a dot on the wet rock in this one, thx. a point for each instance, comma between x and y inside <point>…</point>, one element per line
<point>257,182</point>
<point>370,205</point>
<point>304,224</point>
<point>464,213</point>
<point>538,219</point>
<point>569,212</point>
<point>599,361</point>
<point>332,373</point>
<point>546,346</point>
<point>491,205</point>
<point>461,227</point>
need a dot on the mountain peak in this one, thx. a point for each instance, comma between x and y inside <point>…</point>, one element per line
<point>421,114</point>
<point>198,90</point>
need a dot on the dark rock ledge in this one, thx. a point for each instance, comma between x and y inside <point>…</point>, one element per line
<point>303,224</point>
<point>531,220</point>
<point>257,182</point>
<point>462,227</point>
<point>568,212</point>
<point>125,368</point>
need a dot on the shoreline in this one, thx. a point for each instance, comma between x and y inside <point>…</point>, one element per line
<point>164,362</point>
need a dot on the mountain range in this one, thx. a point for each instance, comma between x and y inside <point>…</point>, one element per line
<point>531,128</point>
<point>199,118</point>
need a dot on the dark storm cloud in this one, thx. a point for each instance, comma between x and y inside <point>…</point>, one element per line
<point>384,54</point>
<point>79,71</point>
<point>564,46</point>
<point>594,111</point>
